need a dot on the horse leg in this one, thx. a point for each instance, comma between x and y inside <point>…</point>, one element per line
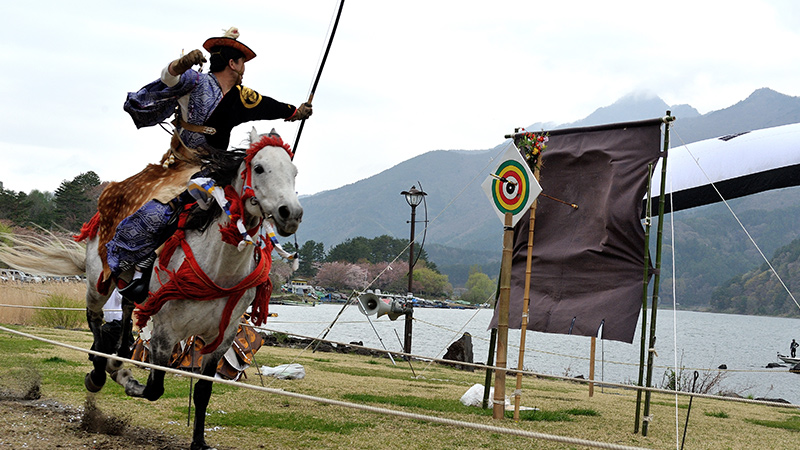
<point>95,379</point>
<point>160,352</point>
<point>202,394</point>
<point>126,338</point>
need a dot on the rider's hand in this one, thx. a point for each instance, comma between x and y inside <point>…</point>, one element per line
<point>302,113</point>
<point>186,61</point>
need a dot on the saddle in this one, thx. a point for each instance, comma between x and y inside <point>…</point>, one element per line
<point>162,182</point>
<point>188,355</point>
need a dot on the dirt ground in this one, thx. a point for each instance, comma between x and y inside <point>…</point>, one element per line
<point>46,424</point>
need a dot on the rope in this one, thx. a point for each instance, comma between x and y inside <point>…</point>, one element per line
<point>425,229</point>
<point>54,308</point>
<point>544,352</point>
<point>368,408</point>
<point>452,340</point>
<point>674,316</point>
<point>549,376</point>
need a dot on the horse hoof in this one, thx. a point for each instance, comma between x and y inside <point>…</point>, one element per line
<point>94,385</point>
<point>121,376</point>
<point>151,393</point>
<point>202,446</point>
<point>112,365</point>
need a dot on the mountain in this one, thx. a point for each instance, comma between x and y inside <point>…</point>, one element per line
<point>634,106</point>
<point>711,247</point>
<point>464,230</point>
<point>759,291</point>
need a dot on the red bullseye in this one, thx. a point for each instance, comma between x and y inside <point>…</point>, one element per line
<point>511,190</point>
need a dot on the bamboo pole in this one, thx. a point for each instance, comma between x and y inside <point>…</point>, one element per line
<point>489,362</point>
<point>657,275</point>
<point>642,347</point>
<point>499,402</point>
<point>526,298</point>
<point>490,358</point>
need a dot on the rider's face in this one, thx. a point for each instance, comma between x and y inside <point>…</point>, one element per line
<point>238,66</point>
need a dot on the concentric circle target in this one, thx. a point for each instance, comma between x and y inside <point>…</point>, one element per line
<point>512,194</point>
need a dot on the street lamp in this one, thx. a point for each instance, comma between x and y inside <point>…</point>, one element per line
<point>414,197</point>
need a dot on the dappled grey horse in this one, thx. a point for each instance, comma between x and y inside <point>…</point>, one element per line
<point>222,279</point>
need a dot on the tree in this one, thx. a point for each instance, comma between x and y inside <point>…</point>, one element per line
<point>430,283</point>
<point>480,288</point>
<point>311,255</point>
<point>351,250</point>
<point>341,275</point>
<point>380,249</point>
<point>388,278</point>
<point>13,205</point>
<point>41,208</point>
<point>76,200</point>
<point>279,274</point>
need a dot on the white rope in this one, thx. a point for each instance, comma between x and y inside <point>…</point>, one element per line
<point>674,318</point>
<point>374,409</point>
<point>428,224</point>
<point>551,376</point>
<point>441,351</point>
<point>764,257</point>
<point>54,308</point>
<point>510,345</point>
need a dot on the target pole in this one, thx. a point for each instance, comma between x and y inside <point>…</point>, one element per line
<point>526,298</point>
<point>499,400</point>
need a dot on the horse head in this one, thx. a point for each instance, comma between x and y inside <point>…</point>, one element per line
<point>269,172</point>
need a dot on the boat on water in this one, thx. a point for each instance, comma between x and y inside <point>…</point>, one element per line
<point>788,359</point>
<point>292,302</point>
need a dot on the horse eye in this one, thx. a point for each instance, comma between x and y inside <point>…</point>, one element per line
<point>258,169</point>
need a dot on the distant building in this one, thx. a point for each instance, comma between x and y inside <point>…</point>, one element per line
<point>300,286</point>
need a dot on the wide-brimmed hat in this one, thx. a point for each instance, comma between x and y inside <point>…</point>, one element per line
<point>229,39</point>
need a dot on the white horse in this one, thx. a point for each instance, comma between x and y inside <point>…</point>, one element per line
<point>271,175</point>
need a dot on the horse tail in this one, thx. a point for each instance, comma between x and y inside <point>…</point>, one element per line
<point>44,255</point>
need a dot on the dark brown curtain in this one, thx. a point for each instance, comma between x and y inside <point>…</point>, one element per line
<point>588,263</point>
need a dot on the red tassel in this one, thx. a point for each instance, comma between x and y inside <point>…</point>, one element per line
<point>89,229</point>
<point>103,285</point>
<point>190,282</point>
<point>260,308</point>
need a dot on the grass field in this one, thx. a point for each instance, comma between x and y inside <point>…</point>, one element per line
<point>244,419</point>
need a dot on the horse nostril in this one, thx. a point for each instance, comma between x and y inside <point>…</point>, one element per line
<point>284,212</point>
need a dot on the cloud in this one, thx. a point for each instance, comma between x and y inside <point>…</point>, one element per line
<point>401,79</point>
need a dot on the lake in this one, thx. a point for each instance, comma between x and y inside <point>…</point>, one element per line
<point>746,344</point>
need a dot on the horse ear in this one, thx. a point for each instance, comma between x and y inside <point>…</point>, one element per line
<point>253,135</point>
<point>274,133</point>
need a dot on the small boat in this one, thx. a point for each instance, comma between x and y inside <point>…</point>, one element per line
<point>788,359</point>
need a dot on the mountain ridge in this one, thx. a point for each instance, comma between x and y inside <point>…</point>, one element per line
<point>460,215</point>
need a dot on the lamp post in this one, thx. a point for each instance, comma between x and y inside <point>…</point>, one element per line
<point>414,197</point>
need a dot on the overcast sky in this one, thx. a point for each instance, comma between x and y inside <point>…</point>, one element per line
<point>403,78</point>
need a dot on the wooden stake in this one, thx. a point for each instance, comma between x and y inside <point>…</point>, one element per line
<point>591,366</point>
<point>526,298</point>
<point>499,401</point>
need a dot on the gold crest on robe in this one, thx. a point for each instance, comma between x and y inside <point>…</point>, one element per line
<point>250,98</point>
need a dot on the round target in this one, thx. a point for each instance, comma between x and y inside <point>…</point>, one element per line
<point>510,192</point>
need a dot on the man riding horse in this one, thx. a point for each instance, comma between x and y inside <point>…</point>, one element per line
<point>209,107</point>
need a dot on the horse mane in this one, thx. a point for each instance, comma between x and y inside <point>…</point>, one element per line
<point>222,166</point>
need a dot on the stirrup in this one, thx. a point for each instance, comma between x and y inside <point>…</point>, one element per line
<point>137,290</point>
